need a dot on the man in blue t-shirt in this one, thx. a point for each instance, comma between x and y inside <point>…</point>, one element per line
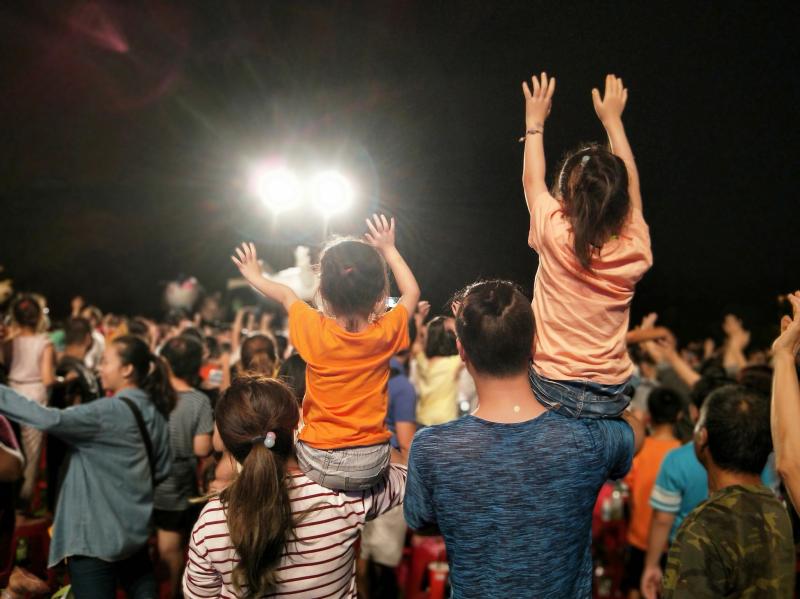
<point>512,486</point>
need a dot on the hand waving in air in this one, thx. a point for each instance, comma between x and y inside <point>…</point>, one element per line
<point>247,262</point>
<point>610,106</point>
<point>539,101</point>
<point>381,233</point>
<point>789,339</point>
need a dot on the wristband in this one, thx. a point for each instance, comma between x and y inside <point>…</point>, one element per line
<point>540,131</point>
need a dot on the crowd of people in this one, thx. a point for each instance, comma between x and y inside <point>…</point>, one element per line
<point>293,449</point>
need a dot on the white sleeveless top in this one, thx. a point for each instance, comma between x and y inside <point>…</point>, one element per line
<point>26,358</point>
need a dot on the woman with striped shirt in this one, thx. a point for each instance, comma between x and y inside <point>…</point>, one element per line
<point>274,532</point>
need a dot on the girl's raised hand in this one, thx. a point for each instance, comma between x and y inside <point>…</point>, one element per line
<point>538,101</point>
<point>246,260</point>
<point>611,105</point>
<point>381,232</point>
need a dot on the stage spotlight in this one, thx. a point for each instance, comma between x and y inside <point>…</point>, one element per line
<point>331,192</point>
<point>278,188</point>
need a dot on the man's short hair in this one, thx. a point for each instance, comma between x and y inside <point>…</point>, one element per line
<point>184,356</point>
<point>737,421</point>
<point>76,331</point>
<point>495,326</point>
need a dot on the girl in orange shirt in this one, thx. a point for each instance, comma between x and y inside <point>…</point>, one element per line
<point>344,442</point>
<point>593,246</point>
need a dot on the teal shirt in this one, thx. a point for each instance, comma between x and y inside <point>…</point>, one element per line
<point>106,501</point>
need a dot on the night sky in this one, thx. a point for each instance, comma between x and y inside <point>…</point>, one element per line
<point>128,130</point>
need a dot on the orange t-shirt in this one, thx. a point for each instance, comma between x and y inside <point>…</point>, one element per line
<point>347,376</point>
<point>641,479</point>
<point>582,317</point>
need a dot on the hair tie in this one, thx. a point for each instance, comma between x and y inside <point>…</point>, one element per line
<point>585,159</point>
<point>268,440</point>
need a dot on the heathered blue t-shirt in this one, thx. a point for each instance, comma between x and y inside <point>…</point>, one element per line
<point>514,501</point>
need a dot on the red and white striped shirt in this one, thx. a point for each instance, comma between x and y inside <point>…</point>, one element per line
<point>320,563</point>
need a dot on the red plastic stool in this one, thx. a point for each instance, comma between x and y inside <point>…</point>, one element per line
<point>424,551</point>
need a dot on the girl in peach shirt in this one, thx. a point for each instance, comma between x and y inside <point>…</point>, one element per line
<point>593,246</point>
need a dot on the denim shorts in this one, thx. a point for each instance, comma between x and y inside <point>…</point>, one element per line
<point>347,469</point>
<point>580,399</point>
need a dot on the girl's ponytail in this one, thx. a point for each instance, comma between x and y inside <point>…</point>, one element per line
<point>593,184</point>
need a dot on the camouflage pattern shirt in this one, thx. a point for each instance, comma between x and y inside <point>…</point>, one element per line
<point>738,543</point>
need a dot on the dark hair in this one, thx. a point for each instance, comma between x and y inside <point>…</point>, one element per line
<point>76,331</point>
<point>713,378</point>
<point>175,316</point>
<point>257,505</point>
<point>757,377</point>
<point>213,347</point>
<point>259,355</point>
<point>440,341</point>
<point>283,343</point>
<point>664,405</point>
<point>185,357</point>
<point>194,333</point>
<point>593,184</point>
<point>495,326</point>
<point>737,421</point>
<point>27,311</point>
<point>139,327</point>
<point>353,277</point>
<point>293,373</point>
<point>150,372</point>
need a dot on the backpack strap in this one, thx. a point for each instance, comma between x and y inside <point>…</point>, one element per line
<point>145,437</point>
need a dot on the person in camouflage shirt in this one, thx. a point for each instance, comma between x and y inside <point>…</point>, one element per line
<point>738,543</point>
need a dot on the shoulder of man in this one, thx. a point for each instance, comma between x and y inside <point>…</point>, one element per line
<point>725,526</point>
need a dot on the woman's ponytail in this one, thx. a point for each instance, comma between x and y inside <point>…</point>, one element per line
<point>150,373</point>
<point>158,386</point>
<point>259,518</point>
<point>256,419</point>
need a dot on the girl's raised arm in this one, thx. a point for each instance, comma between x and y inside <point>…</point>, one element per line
<point>246,261</point>
<point>609,110</point>
<point>537,107</point>
<point>381,237</point>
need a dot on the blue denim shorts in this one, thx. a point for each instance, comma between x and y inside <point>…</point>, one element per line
<point>346,469</point>
<point>580,399</point>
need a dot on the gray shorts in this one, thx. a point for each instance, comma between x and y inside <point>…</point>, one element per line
<point>347,469</point>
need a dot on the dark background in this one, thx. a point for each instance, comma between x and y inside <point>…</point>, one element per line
<point>128,129</point>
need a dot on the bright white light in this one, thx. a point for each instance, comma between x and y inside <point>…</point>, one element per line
<point>278,188</point>
<point>331,192</point>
